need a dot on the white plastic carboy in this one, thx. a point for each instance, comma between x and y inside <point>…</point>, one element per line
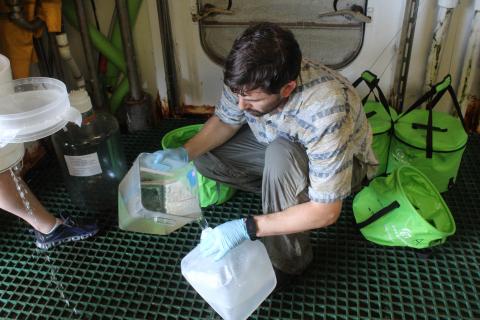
<point>235,285</point>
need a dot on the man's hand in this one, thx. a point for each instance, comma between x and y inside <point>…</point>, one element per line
<point>165,160</point>
<point>220,240</point>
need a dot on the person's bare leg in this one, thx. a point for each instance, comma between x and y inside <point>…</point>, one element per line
<point>10,201</point>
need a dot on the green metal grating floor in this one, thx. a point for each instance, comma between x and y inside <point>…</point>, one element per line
<point>123,275</point>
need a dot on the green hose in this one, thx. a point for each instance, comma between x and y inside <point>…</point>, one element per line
<point>111,50</point>
<point>101,43</point>
<point>118,95</point>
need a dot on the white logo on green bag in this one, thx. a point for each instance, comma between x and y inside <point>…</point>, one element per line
<point>405,233</point>
<point>401,235</point>
<point>401,156</point>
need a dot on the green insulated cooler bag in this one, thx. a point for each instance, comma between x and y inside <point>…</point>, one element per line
<point>210,191</point>
<point>431,141</point>
<point>380,117</point>
<point>403,209</point>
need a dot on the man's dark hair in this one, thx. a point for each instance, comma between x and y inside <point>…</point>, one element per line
<point>265,56</point>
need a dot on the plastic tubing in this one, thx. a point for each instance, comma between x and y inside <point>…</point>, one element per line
<point>118,95</point>
<point>100,42</point>
<point>64,50</point>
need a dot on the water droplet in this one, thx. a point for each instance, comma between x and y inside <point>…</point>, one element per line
<point>21,189</point>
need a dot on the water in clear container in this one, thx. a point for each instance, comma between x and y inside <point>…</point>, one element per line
<point>91,158</point>
<point>155,202</point>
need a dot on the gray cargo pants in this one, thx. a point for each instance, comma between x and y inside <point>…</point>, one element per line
<point>279,171</point>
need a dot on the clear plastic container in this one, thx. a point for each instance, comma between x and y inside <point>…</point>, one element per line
<point>10,154</point>
<point>34,108</point>
<point>157,203</point>
<point>235,285</point>
<point>91,156</point>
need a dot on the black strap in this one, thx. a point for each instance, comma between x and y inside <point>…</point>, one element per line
<point>437,92</point>
<point>418,103</point>
<point>377,215</point>
<point>430,132</point>
<point>373,85</point>
<point>357,82</point>
<point>371,114</point>
<point>424,126</point>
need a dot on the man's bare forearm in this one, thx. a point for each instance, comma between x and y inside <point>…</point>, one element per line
<point>301,217</point>
<point>213,134</point>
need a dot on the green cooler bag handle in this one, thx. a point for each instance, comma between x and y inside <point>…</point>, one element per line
<point>377,215</point>
<point>372,82</point>
<point>437,92</point>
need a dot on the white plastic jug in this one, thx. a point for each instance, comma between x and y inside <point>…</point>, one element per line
<point>235,285</point>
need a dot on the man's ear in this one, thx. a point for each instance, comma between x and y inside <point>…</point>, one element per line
<point>287,89</point>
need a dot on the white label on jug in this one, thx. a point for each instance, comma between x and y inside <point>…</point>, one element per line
<point>83,166</point>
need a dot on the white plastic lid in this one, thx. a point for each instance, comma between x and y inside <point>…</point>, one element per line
<point>10,155</point>
<point>34,108</point>
<point>80,100</point>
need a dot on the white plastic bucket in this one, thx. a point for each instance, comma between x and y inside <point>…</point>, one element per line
<point>37,108</point>
<point>10,154</point>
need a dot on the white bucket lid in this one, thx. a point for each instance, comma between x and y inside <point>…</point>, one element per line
<point>10,155</point>
<point>34,108</point>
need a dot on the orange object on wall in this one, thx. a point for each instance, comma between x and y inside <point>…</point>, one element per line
<point>17,43</point>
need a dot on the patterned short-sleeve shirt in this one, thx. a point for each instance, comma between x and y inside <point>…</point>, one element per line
<point>325,115</point>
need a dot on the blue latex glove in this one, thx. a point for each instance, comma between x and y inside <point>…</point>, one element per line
<point>221,239</point>
<point>165,160</point>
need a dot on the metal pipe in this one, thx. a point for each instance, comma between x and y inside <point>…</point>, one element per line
<point>471,62</point>
<point>88,51</point>
<point>404,53</point>
<point>168,56</point>
<point>445,12</point>
<point>116,38</point>
<point>129,52</point>
<point>291,25</point>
